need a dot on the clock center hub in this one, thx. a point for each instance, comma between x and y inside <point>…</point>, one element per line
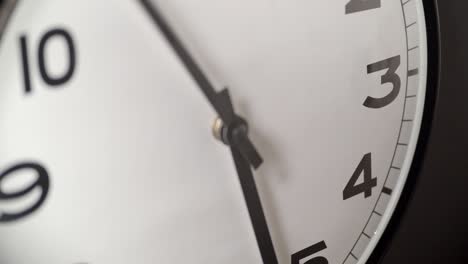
<point>229,133</point>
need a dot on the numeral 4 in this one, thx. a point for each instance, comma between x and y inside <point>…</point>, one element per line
<point>364,168</point>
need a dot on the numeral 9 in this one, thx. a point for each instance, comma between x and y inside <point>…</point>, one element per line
<point>42,183</point>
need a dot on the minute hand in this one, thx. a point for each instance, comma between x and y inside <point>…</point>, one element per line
<point>217,100</point>
<point>255,209</point>
<point>251,195</point>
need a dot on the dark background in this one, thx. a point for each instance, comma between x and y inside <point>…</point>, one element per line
<point>433,227</point>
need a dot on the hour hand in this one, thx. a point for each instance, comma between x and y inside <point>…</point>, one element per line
<point>233,129</point>
<point>223,106</point>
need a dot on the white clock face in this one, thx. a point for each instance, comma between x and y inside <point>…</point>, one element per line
<point>107,154</point>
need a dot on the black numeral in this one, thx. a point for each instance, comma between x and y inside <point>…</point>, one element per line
<point>307,252</point>
<point>51,81</point>
<point>354,6</point>
<point>391,65</point>
<point>352,189</point>
<point>41,182</point>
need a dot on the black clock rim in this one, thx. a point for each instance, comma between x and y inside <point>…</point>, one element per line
<point>433,73</point>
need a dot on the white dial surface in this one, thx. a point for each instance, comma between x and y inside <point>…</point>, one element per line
<point>107,155</point>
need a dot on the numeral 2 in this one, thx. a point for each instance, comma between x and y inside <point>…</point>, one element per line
<point>365,168</point>
<point>355,6</point>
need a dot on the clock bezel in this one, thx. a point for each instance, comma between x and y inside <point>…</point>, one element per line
<point>433,70</point>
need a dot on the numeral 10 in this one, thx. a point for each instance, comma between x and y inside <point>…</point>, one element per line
<point>51,81</point>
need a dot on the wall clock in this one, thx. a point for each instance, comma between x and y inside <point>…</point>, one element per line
<point>211,131</point>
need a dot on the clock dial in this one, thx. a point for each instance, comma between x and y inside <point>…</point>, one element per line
<point>107,153</point>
